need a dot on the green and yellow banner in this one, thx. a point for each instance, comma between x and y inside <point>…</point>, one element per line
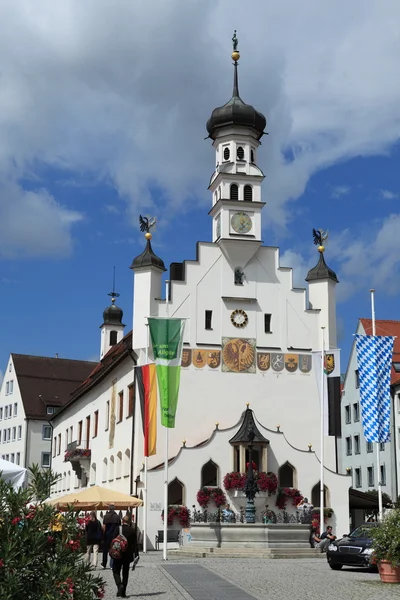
<point>167,339</point>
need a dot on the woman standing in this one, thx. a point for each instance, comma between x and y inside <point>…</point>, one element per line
<point>93,538</point>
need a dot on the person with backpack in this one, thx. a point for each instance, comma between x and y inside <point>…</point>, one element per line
<point>111,524</point>
<point>124,550</point>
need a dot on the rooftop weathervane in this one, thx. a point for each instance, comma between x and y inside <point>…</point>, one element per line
<point>146,223</point>
<point>320,236</point>
<point>235,42</point>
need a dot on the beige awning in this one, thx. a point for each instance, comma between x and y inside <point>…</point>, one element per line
<point>96,498</point>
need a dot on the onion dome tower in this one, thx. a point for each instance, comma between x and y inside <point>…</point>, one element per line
<point>236,129</point>
<point>112,329</point>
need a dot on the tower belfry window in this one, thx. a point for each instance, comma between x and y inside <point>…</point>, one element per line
<point>113,338</point>
<point>248,193</point>
<point>226,153</point>
<point>234,192</point>
<point>240,153</point>
<point>252,155</point>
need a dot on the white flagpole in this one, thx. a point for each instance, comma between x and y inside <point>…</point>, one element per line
<point>145,466</point>
<point>166,456</point>
<point>322,430</point>
<point>378,459</point>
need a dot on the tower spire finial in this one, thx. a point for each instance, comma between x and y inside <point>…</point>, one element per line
<point>235,57</point>
<point>113,294</point>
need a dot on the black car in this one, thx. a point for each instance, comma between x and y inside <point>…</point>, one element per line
<point>353,550</point>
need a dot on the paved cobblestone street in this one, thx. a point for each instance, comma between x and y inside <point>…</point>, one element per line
<point>264,579</point>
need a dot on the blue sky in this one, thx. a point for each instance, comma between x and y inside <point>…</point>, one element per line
<point>102,117</point>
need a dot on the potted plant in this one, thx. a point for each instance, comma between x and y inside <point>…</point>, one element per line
<point>386,546</point>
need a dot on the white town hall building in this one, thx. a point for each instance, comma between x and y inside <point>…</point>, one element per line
<point>248,339</point>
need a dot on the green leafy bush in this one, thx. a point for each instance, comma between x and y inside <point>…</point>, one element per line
<point>386,538</point>
<point>41,549</point>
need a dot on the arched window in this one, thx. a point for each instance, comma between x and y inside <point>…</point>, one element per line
<point>248,193</point>
<point>209,474</point>
<point>111,469</point>
<point>252,155</point>
<point>226,153</point>
<point>113,337</point>
<point>286,475</point>
<point>316,494</point>
<point>175,492</point>
<point>127,462</point>
<point>105,467</point>
<point>234,195</point>
<point>219,192</point>
<point>93,474</point>
<point>118,471</point>
<point>240,153</point>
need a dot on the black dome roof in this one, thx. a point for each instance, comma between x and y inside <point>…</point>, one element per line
<point>321,271</point>
<point>148,259</point>
<point>236,112</point>
<point>113,314</point>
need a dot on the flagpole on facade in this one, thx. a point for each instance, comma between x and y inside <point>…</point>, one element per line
<point>321,524</point>
<point>145,516</point>
<point>166,455</point>
<point>378,458</point>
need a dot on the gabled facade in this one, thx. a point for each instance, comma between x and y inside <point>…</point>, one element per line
<point>33,389</point>
<point>357,456</point>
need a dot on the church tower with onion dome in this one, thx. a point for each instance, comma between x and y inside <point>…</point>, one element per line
<point>112,329</point>
<point>236,129</point>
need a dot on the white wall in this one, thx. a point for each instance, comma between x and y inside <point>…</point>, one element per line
<point>111,456</point>
<point>15,448</point>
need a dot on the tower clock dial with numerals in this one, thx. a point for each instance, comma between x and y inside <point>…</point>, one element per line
<point>241,222</point>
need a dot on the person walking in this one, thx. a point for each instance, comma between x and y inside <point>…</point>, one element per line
<point>128,556</point>
<point>93,539</point>
<point>111,524</point>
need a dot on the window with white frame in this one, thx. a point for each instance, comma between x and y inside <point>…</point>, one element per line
<point>1,414</point>
<point>18,460</point>
<point>348,446</point>
<point>45,460</point>
<point>6,412</point>
<point>356,412</point>
<point>19,431</point>
<point>7,387</point>
<point>347,414</point>
<point>9,434</point>
<point>12,457</point>
<point>46,432</point>
<point>14,434</point>
<point>357,477</point>
<point>356,444</point>
<point>11,387</point>
<point>369,447</point>
<point>15,409</point>
<point>370,474</point>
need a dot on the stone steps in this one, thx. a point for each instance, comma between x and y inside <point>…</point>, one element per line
<point>198,552</point>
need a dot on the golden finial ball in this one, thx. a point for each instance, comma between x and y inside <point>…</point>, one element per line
<point>148,235</point>
<point>235,55</point>
<point>247,404</point>
<point>321,249</point>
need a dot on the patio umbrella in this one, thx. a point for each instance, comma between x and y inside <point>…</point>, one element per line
<point>96,498</point>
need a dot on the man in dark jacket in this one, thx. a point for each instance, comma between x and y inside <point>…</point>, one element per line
<point>93,538</point>
<point>128,556</point>
<point>111,524</point>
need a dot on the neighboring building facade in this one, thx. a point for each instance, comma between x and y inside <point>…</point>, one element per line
<point>33,389</point>
<point>248,338</point>
<point>357,455</point>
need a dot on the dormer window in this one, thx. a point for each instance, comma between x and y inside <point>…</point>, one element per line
<point>226,153</point>
<point>240,153</point>
<point>234,192</point>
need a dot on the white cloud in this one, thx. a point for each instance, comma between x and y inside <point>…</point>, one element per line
<point>300,265</point>
<point>340,190</point>
<point>121,91</point>
<point>388,195</point>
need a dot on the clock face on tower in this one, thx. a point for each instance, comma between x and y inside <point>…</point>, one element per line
<point>239,318</point>
<point>241,222</point>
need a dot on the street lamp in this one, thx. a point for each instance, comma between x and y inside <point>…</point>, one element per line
<point>251,487</point>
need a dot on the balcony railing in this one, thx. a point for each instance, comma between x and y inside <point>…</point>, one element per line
<point>76,452</point>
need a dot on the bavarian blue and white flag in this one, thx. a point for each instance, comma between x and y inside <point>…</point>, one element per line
<point>374,356</point>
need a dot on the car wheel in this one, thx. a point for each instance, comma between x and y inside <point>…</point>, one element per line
<point>336,567</point>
